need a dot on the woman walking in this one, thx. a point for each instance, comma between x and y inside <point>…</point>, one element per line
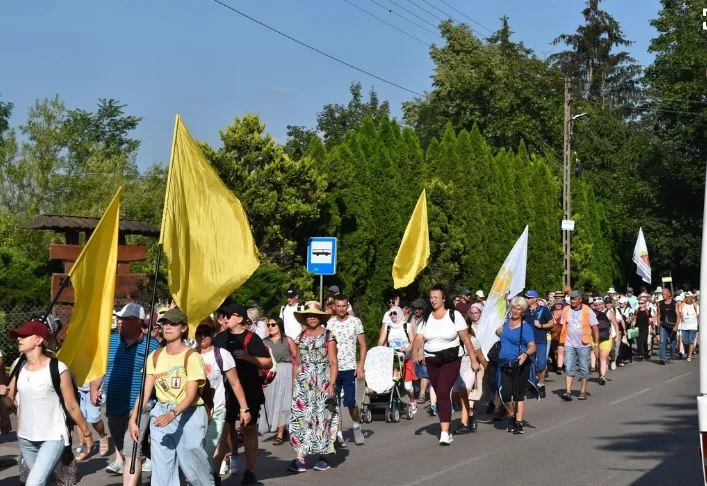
<point>516,369</point>
<point>42,431</point>
<point>441,334</point>
<point>468,387</point>
<point>178,420</point>
<point>313,403</point>
<point>275,412</point>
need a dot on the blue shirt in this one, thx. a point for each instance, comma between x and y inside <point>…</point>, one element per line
<point>121,384</point>
<point>509,341</point>
<point>542,314</point>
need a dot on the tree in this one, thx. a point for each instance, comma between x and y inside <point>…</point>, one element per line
<point>499,85</point>
<point>603,74</point>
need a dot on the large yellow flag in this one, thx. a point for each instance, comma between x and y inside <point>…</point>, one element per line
<point>415,248</point>
<point>85,349</point>
<point>205,232</point>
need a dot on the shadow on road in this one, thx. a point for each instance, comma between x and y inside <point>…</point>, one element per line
<point>672,438</point>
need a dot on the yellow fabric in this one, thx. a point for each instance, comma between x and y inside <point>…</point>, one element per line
<point>205,233</point>
<point>170,378</point>
<point>414,248</point>
<point>85,349</point>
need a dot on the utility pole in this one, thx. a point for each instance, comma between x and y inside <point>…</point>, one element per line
<point>566,188</point>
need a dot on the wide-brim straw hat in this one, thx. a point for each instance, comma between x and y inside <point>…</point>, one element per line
<point>311,308</point>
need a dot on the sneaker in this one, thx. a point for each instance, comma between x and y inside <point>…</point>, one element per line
<point>462,429</point>
<point>297,466</point>
<point>340,442</point>
<point>445,438</point>
<point>413,408</point>
<point>474,424</point>
<point>511,424</point>
<point>518,429</point>
<point>602,380</point>
<point>662,361</point>
<point>358,436</point>
<point>612,366</point>
<point>147,465</point>
<point>248,478</point>
<point>115,467</point>
<point>620,365</point>
<point>541,391</point>
<point>322,465</point>
<point>432,410</point>
<point>689,358</point>
<point>224,467</point>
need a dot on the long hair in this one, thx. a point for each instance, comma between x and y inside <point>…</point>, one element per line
<point>280,326</point>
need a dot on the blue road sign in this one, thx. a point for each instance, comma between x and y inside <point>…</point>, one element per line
<point>321,255</point>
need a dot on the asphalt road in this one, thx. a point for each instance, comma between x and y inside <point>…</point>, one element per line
<point>639,429</point>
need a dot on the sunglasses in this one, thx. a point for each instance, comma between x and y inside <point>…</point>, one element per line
<point>272,324</point>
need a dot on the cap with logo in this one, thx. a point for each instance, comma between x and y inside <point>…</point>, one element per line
<point>291,292</point>
<point>31,328</point>
<point>175,316</point>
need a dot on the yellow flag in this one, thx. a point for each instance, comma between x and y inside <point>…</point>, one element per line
<point>205,232</point>
<point>415,248</point>
<point>85,349</point>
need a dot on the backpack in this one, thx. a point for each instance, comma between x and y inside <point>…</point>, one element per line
<point>56,382</point>
<point>266,376</point>
<point>604,325</point>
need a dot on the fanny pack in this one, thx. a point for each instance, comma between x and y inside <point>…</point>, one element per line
<point>511,366</point>
<point>446,355</point>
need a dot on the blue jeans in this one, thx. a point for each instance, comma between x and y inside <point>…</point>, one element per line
<point>667,336</point>
<point>41,458</point>
<point>180,445</point>
<point>581,356</point>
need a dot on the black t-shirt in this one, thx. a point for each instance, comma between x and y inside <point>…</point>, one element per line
<point>643,318</point>
<point>248,373</point>
<point>668,315</point>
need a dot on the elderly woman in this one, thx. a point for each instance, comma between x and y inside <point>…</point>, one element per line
<point>516,370</point>
<point>313,403</point>
<point>441,334</point>
<point>398,335</point>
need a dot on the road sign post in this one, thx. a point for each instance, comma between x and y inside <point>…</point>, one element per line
<point>321,259</point>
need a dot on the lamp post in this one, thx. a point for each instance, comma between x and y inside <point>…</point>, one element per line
<point>567,224</point>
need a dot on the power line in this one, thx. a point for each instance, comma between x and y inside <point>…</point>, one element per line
<point>464,15</point>
<point>412,13</point>
<point>403,17</point>
<point>451,17</point>
<point>318,51</point>
<point>392,26</point>
<point>427,11</point>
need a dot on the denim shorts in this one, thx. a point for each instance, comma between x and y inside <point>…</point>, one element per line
<point>421,370</point>
<point>578,358</point>
<point>688,337</point>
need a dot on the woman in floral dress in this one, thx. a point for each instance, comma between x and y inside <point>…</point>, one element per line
<point>313,401</point>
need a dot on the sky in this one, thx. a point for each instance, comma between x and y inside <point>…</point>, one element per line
<point>204,61</point>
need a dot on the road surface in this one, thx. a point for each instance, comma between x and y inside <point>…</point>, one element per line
<point>639,429</point>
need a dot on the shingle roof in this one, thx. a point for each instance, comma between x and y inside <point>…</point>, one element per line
<point>83,223</point>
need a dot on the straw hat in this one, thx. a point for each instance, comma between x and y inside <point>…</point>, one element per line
<point>311,308</point>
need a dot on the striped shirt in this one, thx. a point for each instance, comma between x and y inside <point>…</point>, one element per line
<point>124,373</point>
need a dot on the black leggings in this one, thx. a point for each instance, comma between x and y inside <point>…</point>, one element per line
<point>514,383</point>
<point>643,345</point>
<point>442,378</point>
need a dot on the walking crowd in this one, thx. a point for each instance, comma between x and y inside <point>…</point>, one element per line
<point>246,377</point>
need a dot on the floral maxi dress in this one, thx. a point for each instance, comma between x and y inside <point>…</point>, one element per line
<point>310,419</point>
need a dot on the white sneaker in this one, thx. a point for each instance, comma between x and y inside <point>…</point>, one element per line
<point>358,435</point>
<point>612,366</point>
<point>224,467</point>
<point>445,438</point>
<point>147,465</point>
<point>115,467</point>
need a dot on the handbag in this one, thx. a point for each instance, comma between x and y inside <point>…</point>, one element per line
<point>632,332</point>
<point>447,355</point>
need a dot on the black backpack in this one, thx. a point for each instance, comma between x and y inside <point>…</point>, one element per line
<point>604,325</point>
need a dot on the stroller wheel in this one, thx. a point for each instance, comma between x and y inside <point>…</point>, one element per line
<point>388,415</point>
<point>396,415</point>
<point>368,416</point>
<point>408,412</point>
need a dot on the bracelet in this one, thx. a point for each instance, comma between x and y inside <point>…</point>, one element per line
<point>244,410</point>
<point>86,436</point>
<point>173,412</point>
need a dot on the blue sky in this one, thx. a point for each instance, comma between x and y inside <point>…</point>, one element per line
<point>197,58</point>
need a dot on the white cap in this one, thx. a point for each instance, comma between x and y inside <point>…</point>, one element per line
<point>680,298</point>
<point>480,293</point>
<point>611,290</point>
<point>131,310</point>
<point>623,300</point>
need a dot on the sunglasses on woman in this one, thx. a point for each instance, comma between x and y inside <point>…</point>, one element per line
<point>272,324</point>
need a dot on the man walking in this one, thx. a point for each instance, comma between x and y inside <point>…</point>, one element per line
<point>348,330</point>
<point>579,326</point>
<point>287,313</point>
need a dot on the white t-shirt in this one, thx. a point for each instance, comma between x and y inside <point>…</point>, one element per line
<point>397,337</point>
<point>689,317</point>
<point>346,333</point>
<point>292,326</point>
<point>40,415</point>
<point>442,333</point>
<point>213,374</point>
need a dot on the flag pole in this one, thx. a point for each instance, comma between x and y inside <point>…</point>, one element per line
<point>141,396</point>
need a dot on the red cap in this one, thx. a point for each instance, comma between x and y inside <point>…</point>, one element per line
<point>31,328</point>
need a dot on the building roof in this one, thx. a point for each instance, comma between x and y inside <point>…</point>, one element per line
<point>83,223</point>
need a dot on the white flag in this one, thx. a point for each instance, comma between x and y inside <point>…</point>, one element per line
<point>509,282</point>
<point>640,258</point>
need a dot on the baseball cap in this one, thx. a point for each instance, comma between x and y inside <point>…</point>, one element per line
<point>238,309</point>
<point>334,289</point>
<point>418,304</point>
<point>31,328</point>
<point>623,300</point>
<point>532,294</point>
<point>176,315</point>
<point>480,293</point>
<point>598,299</point>
<point>131,310</point>
<point>575,293</point>
<point>291,292</point>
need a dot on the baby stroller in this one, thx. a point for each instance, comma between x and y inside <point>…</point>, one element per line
<point>385,388</point>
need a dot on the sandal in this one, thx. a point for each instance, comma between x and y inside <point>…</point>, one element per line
<point>278,441</point>
<point>103,446</point>
<point>567,397</point>
<point>582,396</point>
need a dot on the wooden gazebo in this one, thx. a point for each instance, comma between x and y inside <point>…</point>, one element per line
<point>127,283</point>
